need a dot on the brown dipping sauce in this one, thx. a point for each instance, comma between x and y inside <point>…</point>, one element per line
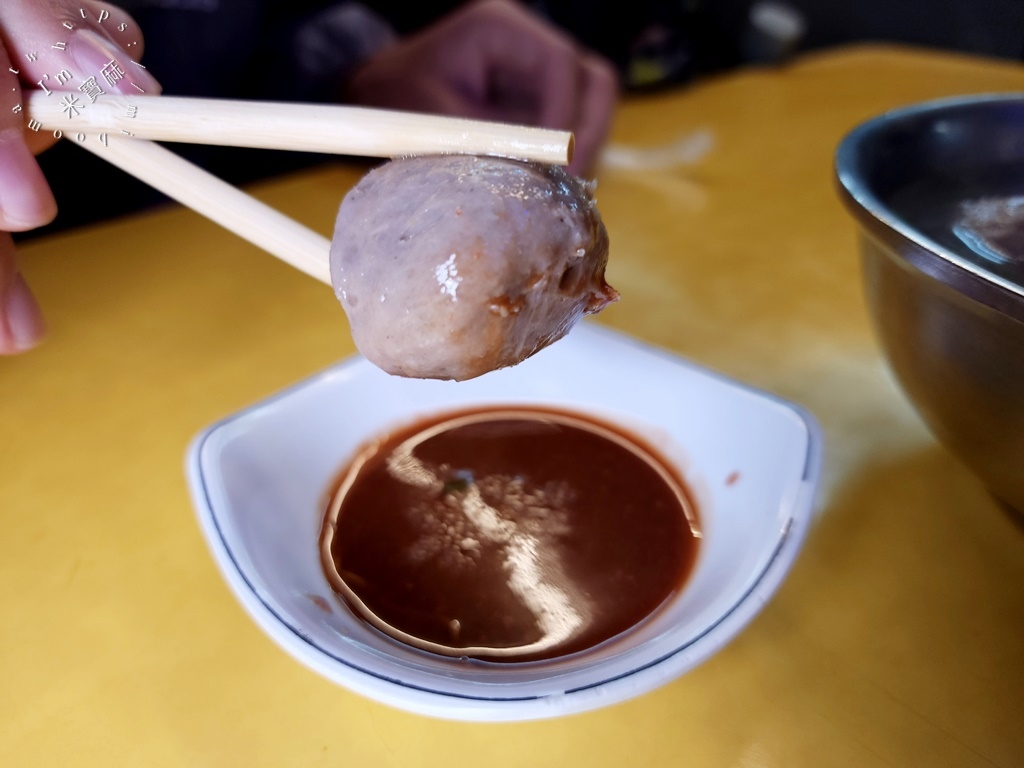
<point>508,534</point>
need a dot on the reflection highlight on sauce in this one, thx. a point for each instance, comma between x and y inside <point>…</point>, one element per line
<point>535,573</point>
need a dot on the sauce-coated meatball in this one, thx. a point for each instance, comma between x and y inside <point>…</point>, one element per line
<point>449,267</point>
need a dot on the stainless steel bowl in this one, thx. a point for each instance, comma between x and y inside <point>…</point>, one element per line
<point>950,316</point>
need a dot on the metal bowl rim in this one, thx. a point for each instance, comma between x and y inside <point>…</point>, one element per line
<point>858,192</point>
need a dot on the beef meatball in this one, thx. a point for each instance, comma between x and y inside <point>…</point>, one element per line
<point>452,266</point>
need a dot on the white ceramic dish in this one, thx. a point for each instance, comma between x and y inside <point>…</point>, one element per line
<point>260,480</point>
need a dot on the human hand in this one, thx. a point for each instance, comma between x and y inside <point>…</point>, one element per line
<point>495,60</point>
<point>49,45</point>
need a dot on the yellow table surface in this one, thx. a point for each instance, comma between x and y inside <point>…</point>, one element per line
<point>897,640</point>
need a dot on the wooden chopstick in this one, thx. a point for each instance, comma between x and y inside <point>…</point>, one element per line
<point>302,127</point>
<point>219,201</point>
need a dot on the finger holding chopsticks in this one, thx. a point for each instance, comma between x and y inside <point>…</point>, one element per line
<point>53,46</point>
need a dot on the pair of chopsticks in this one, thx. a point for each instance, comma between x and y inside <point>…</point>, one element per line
<point>130,125</point>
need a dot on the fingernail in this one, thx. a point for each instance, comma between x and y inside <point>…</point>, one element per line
<point>24,318</point>
<point>110,65</point>
<point>25,198</point>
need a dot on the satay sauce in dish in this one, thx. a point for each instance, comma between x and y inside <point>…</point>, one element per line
<point>745,465</point>
<point>508,534</point>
